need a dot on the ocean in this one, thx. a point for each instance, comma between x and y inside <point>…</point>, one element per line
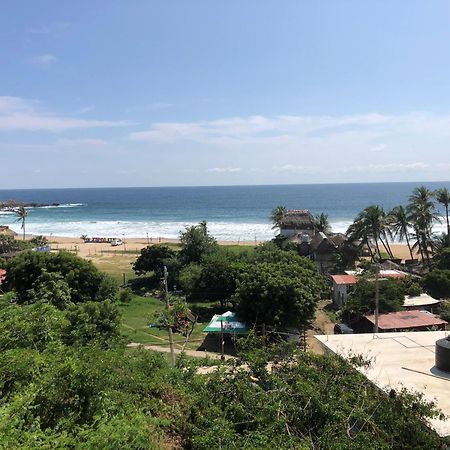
<point>232,212</point>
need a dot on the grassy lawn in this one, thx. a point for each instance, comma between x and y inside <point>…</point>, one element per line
<point>116,265</point>
<point>137,315</point>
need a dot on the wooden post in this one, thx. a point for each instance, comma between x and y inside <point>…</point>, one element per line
<point>166,295</point>
<point>222,343</point>
<point>124,280</point>
<point>377,298</point>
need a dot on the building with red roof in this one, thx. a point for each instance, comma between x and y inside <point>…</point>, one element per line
<point>416,320</point>
<point>342,285</point>
<point>2,276</point>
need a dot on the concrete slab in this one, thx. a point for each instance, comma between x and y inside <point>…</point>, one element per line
<point>400,360</point>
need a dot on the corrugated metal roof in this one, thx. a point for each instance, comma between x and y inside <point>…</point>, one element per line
<point>420,300</point>
<point>406,319</point>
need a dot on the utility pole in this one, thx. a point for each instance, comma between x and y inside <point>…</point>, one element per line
<point>377,297</point>
<point>166,296</point>
<point>222,342</point>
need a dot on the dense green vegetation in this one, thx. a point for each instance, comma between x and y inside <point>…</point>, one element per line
<point>86,397</point>
<point>271,285</point>
<point>67,381</point>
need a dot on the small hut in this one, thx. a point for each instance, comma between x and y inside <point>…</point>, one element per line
<point>298,224</point>
<point>6,231</point>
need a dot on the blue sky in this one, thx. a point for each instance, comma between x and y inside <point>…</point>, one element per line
<point>154,93</point>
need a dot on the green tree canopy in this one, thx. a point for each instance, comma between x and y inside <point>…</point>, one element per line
<point>362,300</point>
<point>8,244</point>
<point>196,243</point>
<point>85,281</point>
<point>281,289</point>
<point>92,322</point>
<point>437,283</point>
<point>153,259</point>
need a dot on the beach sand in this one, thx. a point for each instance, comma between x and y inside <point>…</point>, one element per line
<point>87,250</point>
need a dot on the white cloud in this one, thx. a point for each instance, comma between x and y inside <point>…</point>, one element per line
<point>225,169</point>
<point>291,168</point>
<point>42,60</point>
<point>391,167</point>
<point>282,130</point>
<point>19,114</point>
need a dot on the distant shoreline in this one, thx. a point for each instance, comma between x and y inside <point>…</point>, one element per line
<point>86,250</point>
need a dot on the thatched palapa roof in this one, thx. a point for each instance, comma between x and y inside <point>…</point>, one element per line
<point>298,219</point>
<point>6,231</point>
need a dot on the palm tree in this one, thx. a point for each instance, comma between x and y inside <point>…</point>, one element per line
<point>21,214</point>
<point>443,197</point>
<point>322,224</point>
<point>278,216</point>
<point>371,224</point>
<point>422,213</point>
<point>398,224</point>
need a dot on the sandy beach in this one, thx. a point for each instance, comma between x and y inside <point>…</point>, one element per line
<point>90,249</point>
<point>87,250</point>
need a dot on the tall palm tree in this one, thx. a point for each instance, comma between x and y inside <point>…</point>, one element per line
<point>357,231</point>
<point>371,224</point>
<point>422,213</point>
<point>21,214</point>
<point>398,224</point>
<point>443,197</point>
<point>278,216</point>
<point>321,223</point>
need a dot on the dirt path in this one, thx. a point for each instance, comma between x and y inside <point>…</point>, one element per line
<point>193,353</point>
<point>322,324</point>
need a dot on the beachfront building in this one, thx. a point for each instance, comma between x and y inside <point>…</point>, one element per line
<point>6,231</point>
<point>323,249</point>
<point>298,225</point>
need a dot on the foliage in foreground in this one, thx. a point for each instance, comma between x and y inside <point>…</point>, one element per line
<point>85,397</point>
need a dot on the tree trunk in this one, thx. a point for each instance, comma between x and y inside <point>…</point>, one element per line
<point>370,251</point>
<point>23,227</point>
<point>448,226</point>
<point>387,248</point>
<point>378,247</point>
<point>409,246</point>
<point>425,248</point>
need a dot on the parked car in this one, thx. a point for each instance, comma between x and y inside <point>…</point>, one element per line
<point>342,328</point>
<point>116,242</point>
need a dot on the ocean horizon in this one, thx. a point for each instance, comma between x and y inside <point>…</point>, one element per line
<point>232,212</point>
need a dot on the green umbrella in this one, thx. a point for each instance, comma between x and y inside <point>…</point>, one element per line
<point>229,322</point>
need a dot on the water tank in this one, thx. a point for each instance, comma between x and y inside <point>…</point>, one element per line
<point>443,354</point>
